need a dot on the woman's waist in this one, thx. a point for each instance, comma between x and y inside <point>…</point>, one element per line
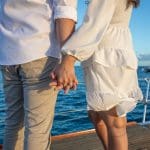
<point>113,57</point>
<point>117,36</point>
<point>118,24</point>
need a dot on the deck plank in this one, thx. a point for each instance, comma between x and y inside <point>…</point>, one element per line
<point>139,139</point>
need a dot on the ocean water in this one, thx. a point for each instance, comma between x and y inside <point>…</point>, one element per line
<point>71,114</point>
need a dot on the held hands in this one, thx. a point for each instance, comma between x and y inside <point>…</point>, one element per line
<point>63,76</point>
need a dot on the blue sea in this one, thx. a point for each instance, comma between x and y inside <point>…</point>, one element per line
<point>71,114</point>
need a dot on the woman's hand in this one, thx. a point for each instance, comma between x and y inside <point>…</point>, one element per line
<point>63,76</point>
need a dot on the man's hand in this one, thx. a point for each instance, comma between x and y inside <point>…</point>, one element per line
<point>63,77</point>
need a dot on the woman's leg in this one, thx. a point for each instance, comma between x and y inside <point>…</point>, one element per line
<point>116,128</point>
<point>111,129</point>
<point>100,127</point>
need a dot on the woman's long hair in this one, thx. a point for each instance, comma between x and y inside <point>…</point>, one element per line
<point>135,3</point>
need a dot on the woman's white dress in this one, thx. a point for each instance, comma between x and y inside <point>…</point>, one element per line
<point>104,45</point>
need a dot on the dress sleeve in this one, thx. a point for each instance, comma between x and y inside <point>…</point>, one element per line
<point>65,9</point>
<point>85,40</point>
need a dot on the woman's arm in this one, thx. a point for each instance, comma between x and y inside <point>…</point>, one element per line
<point>85,40</point>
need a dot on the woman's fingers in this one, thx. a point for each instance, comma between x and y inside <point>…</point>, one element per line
<point>74,87</point>
<point>65,83</point>
<point>66,89</point>
<point>75,80</point>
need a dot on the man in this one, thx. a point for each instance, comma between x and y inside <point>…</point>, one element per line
<point>29,51</point>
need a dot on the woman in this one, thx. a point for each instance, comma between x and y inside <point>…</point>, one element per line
<point>104,45</point>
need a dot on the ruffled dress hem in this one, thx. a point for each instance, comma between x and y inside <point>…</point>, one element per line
<point>124,102</point>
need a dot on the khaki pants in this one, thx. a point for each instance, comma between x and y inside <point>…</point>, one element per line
<point>30,104</point>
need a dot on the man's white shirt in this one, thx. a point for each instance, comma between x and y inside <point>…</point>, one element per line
<point>27,28</point>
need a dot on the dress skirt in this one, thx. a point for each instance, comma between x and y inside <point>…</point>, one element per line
<point>108,87</point>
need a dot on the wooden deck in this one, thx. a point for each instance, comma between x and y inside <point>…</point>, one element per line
<point>139,139</point>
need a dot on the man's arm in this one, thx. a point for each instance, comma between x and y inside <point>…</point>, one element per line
<point>64,29</point>
<point>65,16</point>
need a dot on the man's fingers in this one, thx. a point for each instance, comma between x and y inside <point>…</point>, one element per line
<point>53,83</point>
<point>52,75</point>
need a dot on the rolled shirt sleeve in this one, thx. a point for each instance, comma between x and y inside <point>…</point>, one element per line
<point>65,9</point>
<point>86,39</point>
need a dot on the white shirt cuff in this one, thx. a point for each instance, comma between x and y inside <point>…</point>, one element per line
<point>65,12</point>
<point>72,53</point>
